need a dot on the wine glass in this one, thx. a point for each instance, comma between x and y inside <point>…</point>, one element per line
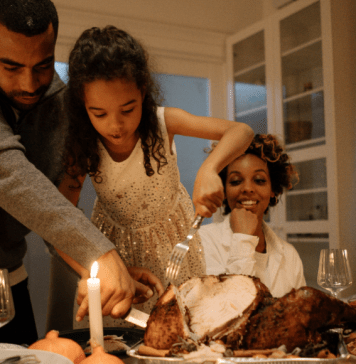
<point>7,308</point>
<point>334,272</point>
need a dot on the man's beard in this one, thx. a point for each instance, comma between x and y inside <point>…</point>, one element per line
<point>20,106</point>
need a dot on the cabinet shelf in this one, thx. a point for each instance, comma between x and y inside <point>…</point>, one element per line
<point>300,27</point>
<point>302,58</point>
<point>249,51</point>
<point>251,74</point>
<point>307,241</point>
<point>302,68</point>
<point>301,47</point>
<point>255,110</point>
<point>305,57</point>
<point>303,192</point>
<point>303,94</point>
<point>305,144</point>
<point>304,117</point>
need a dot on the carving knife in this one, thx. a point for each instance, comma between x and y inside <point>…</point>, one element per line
<point>137,317</point>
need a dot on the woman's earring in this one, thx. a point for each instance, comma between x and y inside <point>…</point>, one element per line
<point>273,201</point>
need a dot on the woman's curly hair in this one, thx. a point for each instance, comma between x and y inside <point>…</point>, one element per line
<point>282,173</point>
<point>108,54</point>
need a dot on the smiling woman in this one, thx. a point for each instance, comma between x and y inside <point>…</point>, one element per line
<point>243,243</point>
<point>248,188</point>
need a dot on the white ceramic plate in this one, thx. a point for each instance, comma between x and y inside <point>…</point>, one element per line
<point>10,346</point>
<point>43,356</point>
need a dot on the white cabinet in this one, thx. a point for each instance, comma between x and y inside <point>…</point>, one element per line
<point>281,81</point>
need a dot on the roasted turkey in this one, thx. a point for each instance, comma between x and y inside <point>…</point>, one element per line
<point>240,311</point>
<point>206,308</point>
<point>296,319</point>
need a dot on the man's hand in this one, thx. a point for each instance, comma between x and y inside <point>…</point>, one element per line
<point>117,287</point>
<point>243,221</point>
<point>146,282</point>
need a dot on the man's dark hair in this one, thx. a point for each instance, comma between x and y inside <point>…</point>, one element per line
<point>28,17</point>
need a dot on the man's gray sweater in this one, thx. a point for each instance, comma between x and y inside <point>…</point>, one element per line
<point>30,169</point>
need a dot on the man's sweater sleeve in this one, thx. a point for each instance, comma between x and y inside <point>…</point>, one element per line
<point>31,198</point>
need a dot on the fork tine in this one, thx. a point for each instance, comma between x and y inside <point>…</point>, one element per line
<point>168,270</point>
<point>182,256</point>
<point>177,268</point>
<point>178,263</point>
<point>180,250</point>
<point>183,249</point>
<point>171,265</point>
<point>174,269</point>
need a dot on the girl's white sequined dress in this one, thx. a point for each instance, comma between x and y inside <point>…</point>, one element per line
<point>145,216</point>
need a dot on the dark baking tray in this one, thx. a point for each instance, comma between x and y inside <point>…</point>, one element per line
<point>131,336</point>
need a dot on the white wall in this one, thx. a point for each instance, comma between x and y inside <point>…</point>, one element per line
<point>185,39</point>
<point>344,88</point>
<point>225,16</point>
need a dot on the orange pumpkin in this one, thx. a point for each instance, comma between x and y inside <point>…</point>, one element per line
<point>99,356</point>
<point>60,345</point>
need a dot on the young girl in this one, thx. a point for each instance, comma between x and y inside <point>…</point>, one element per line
<point>243,243</point>
<point>124,141</point>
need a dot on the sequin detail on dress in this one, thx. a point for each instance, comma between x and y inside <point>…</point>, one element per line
<point>145,216</point>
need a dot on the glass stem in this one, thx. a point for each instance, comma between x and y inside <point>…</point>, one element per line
<point>335,294</point>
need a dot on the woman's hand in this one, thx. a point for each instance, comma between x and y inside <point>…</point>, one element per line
<point>243,221</point>
<point>208,193</point>
<point>146,283</point>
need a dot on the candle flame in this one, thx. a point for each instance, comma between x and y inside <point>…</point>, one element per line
<point>94,270</point>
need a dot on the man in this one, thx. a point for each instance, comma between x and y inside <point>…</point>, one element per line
<point>33,127</point>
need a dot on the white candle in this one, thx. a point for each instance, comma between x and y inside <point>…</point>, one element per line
<point>95,312</point>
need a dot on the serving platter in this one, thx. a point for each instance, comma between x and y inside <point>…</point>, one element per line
<point>339,360</point>
<point>131,337</point>
<point>158,360</point>
<point>133,353</point>
<point>344,358</point>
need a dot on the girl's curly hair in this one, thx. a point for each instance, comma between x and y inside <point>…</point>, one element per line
<point>108,54</point>
<point>282,173</point>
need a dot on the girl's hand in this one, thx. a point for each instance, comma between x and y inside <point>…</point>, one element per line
<point>208,194</point>
<point>243,221</point>
<point>146,282</point>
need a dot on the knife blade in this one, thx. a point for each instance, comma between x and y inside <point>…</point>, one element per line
<point>137,317</point>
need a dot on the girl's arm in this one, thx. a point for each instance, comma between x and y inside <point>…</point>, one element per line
<point>234,138</point>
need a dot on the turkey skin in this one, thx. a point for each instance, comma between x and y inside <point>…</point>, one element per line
<point>296,319</point>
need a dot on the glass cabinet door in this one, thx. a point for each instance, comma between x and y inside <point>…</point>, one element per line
<point>282,69</point>
<point>303,112</point>
<point>249,82</point>
<point>302,77</point>
<point>306,206</point>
